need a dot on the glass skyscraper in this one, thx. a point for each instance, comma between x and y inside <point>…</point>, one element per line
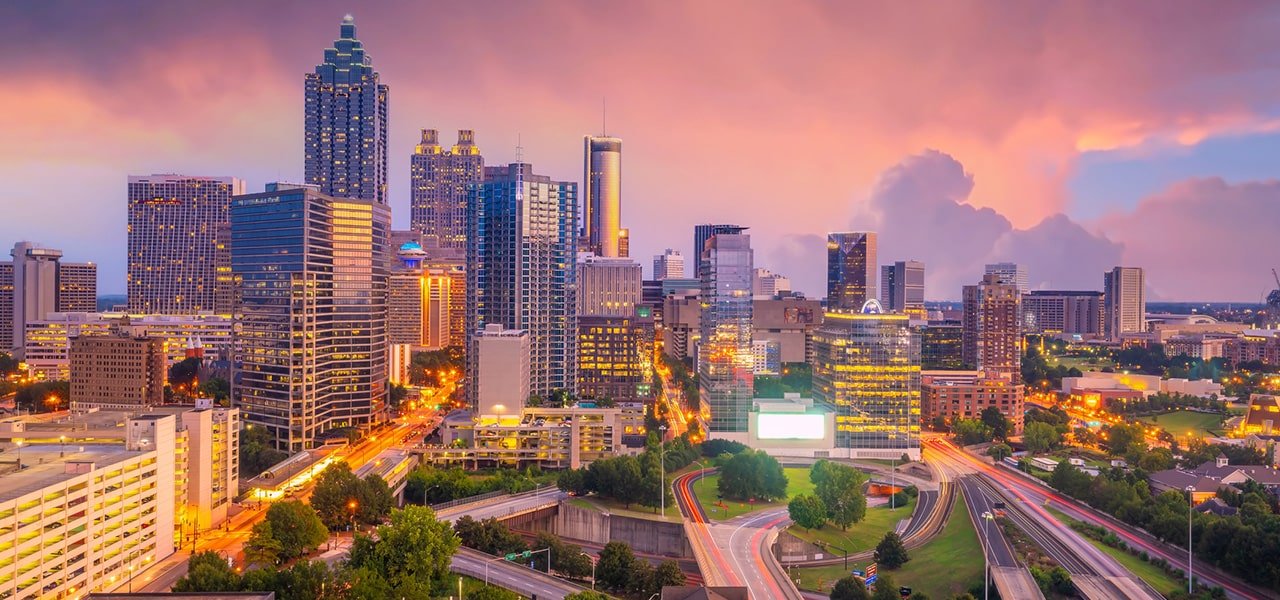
<point>174,251</point>
<point>725,360</point>
<point>851,270</point>
<point>311,317</point>
<point>438,185</point>
<point>345,131</point>
<point>521,258</point>
<point>867,367</point>
<point>602,204</point>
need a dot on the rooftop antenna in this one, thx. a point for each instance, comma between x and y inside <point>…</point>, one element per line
<point>519,150</point>
<point>604,117</point>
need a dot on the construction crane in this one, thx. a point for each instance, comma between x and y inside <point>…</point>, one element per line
<point>1273,299</point>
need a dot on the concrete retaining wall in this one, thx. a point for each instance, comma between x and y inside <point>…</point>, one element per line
<point>644,535</point>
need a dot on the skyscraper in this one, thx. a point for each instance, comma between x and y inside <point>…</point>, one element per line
<point>613,360</point>
<point>702,233</point>
<point>851,270</point>
<point>173,242</point>
<point>35,283</point>
<point>725,360</point>
<point>521,253</point>
<point>345,130</point>
<point>608,287</point>
<point>77,287</point>
<point>602,202</point>
<point>1075,312</point>
<point>993,328</point>
<point>668,265</point>
<point>438,186</point>
<point>1011,273</point>
<point>902,287</point>
<point>867,367</point>
<point>1124,296</point>
<point>312,323</point>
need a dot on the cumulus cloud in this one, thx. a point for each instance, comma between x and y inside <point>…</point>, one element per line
<point>1203,239</point>
<point>1059,254</point>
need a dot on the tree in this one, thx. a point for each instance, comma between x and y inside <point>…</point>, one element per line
<point>586,595</point>
<point>490,592</point>
<point>208,571</point>
<point>890,553</point>
<point>1040,437</point>
<point>256,451</point>
<point>996,422</point>
<point>668,573</point>
<point>296,527</point>
<point>489,535</point>
<point>971,431</point>
<point>215,387</point>
<point>807,511</point>
<point>999,452</point>
<point>614,568</point>
<point>412,553</point>
<point>305,580</point>
<point>753,475</point>
<point>184,374</point>
<point>375,500</point>
<point>1123,439</point>
<point>43,396</point>
<point>335,491</point>
<point>263,548</point>
<point>840,489</point>
<point>886,589</point>
<point>849,588</point>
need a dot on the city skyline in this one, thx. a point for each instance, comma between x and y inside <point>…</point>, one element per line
<point>1133,158</point>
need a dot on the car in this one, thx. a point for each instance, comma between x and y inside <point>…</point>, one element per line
<point>999,505</point>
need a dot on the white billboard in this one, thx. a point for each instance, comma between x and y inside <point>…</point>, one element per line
<point>790,426</point>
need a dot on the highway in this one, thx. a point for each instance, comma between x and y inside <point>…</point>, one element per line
<point>511,576</point>
<point>1010,577</point>
<point>502,506</point>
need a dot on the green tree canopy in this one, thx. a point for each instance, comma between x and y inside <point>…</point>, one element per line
<point>296,527</point>
<point>849,588</point>
<point>971,431</point>
<point>999,451</point>
<point>614,569</point>
<point>996,422</point>
<point>262,548</point>
<point>1040,437</point>
<point>208,571</point>
<point>413,550</point>
<point>840,489</point>
<point>890,553</point>
<point>753,475</point>
<point>808,511</point>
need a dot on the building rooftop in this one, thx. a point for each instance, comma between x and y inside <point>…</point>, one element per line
<point>46,465</point>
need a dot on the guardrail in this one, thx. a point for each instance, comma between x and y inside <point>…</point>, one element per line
<point>468,500</point>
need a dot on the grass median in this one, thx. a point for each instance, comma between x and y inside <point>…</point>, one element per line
<point>706,491</point>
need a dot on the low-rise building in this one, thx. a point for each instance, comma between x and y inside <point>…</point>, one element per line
<point>789,322</point>
<point>49,339</point>
<point>547,437</point>
<point>965,394</point>
<point>1206,479</point>
<point>1096,381</point>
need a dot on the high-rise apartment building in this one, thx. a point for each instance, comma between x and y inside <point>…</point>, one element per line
<point>37,283</point>
<point>615,356</point>
<point>867,368</point>
<point>312,323</point>
<point>173,242</point>
<point>1125,298</point>
<point>608,287</point>
<point>503,370</point>
<point>725,360</point>
<point>902,287</point>
<point>602,195</point>
<point>438,182</point>
<point>345,129</point>
<point>766,284</point>
<point>1072,312</point>
<point>668,265</point>
<point>702,233</point>
<point>521,268</point>
<point>993,328</point>
<point>851,270</point>
<point>419,301</point>
<point>122,370</point>
<point>1010,273</point>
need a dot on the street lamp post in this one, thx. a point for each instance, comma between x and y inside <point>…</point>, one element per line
<point>1190,573</point>
<point>662,469</point>
<point>352,507</point>
<point>18,443</point>
<point>593,570</point>
<point>987,517</point>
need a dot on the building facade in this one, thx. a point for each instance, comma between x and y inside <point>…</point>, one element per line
<point>790,322</point>
<point>48,343</point>
<point>668,265</point>
<point>942,345</point>
<point>521,259</point>
<point>965,394</point>
<point>547,437</point>
<point>615,356</point>
<point>766,284</point>
<point>725,361</point>
<point>1125,301</point>
<point>867,368</point>
<point>702,233</point>
<point>993,328</point>
<point>602,196</point>
<point>36,283</point>
<point>121,370</point>
<point>902,287</point>
<point>77,287</point>
<point>1011,274</point>
<point>345,128</point>
<point>312,335</point>
<point>173,242</point>
<point>607,287</point>
<point>438,181</point>
<point>503,370</point>
<point>1071,312</point>
<point>851,270</point>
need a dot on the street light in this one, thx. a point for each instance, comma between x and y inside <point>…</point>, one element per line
<point>593,570</point>
<point>18,443</point>
<point>1190,501</point>
<point>352,507</point>
<point>987,518</point>
<point>662,468</point>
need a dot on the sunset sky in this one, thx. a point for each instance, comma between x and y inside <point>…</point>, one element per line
<point>1070,136</point>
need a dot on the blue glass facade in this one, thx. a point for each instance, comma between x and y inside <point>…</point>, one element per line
<point>726,363</point>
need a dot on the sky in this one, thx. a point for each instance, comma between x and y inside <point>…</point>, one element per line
<point>1069,136</point>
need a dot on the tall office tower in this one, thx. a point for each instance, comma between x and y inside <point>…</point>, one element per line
<point>766,284</point>
<point>503,371</point>
<point>6,305</point>
<point>438,181</point>
<point>902,287</point>
<point>35,287</point>
<point>608,287</point>
<point>224,285</point>
<point>602,198</point>
<point>345,130</point>
<point>122,371</point>
<point>668,265</point>
<point>993,328</point>
<point>1078,313</point>
<point>419,301</point>
<point>311,323</point>
<point>790,321</point>
<point>77,287</point>
<point>457,273</point>
<point>1011,273</point>
<point>867,367</point>
<point>1125,297</point>
<point>521,259</point>
<point>941,345</point>
<point>851,270</point>
<point>173,241</point>
<point>725,360</point>
<point>702,233</point>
